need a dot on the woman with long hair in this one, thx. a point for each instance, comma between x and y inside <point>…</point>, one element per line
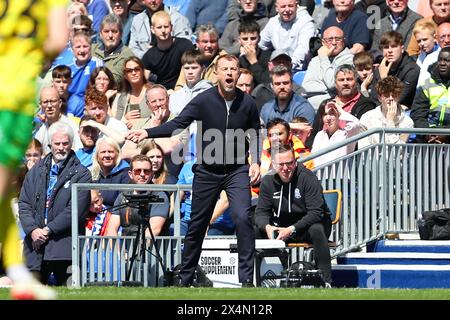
<point>103,81</point>
<point>160,174</point>
<point>130,104</point>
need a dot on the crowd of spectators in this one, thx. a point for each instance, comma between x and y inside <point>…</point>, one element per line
<point>318,74</point>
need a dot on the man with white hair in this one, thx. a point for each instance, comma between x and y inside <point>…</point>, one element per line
<point>45,207</point>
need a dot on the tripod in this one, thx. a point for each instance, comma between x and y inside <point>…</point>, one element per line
<point>140,236</point>
<point>141,202</point>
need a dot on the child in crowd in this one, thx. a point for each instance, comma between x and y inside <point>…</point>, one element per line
<point>300,128</point>
<point>424,31</point>
<point>61,79</point>
<point>98,217</point>
<point>363,62</point>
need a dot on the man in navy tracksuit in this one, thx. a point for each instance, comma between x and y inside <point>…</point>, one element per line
<point>291,207</point>
<point>226,117</point>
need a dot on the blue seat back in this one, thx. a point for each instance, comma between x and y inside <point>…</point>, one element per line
<point>333,198</point>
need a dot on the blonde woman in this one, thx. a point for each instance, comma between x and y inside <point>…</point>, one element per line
<point>108,167</point>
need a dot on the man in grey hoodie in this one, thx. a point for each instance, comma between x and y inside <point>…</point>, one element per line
<point>192,68</point>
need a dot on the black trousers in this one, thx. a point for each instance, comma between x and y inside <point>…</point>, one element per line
<point>206,188</point>
<point>318,235</point>
<point>59,269</point>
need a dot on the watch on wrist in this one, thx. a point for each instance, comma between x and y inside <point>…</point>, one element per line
<point>293,230</point>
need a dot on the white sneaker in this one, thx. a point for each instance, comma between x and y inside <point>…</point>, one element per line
<point>328,285</point>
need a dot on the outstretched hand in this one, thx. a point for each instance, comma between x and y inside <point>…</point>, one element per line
<point>136,136</point>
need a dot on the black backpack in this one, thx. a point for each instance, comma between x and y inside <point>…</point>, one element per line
<point>302,274</point>
<point>435,225</point>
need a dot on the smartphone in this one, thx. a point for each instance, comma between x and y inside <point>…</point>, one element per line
<point>133,107</point>
<point>275,234</point>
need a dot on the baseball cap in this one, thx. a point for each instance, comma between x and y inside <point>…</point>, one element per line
<point>276,53</point>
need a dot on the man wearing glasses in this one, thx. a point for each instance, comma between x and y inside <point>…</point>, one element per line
<point>319,77</point>
<point>51,103</point>
<point>129,218</point>
<point>291,208</point>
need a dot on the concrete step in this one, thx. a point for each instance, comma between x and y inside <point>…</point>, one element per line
<point>391,276</point>
<point>398,258</point>
<point>430,246</point>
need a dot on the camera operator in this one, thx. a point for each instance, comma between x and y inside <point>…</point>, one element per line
<point>129,218</point>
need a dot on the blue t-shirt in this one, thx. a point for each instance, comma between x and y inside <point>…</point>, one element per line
<point>354,27</point>
<point>85,156</point>
<point>80,79</point>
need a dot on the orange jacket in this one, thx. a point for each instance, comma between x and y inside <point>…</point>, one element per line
<point>299,149</point>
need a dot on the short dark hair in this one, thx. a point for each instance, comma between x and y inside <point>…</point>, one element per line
<point>249,27</point>
<point>391,38</point>
<point>300,119</point>
<point>282,148</point>
<point>61,71</point>
<point>280,70</point>
<point>82,20</point>
<point>86,117</point>
<point>363,59</point>
<point>275,121</point>
<point>192,56</point>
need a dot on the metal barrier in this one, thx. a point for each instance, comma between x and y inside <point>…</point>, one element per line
<point>385,187</point>
<point>111,254</point>
<point>107,260</point>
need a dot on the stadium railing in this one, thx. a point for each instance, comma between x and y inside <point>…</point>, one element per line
<point>385,187</point>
